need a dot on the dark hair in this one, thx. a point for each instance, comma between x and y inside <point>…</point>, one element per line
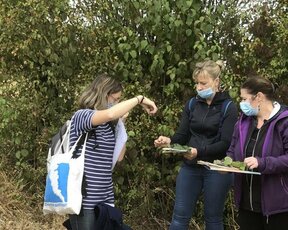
<point>257,84</point>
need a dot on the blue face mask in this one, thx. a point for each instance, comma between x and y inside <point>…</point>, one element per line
<point>247,109</point>
<point>110,104</point>
<point>205,93</point>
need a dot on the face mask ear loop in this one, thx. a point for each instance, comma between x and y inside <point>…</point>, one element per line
<point>220,87</point>
<point>254,97</point>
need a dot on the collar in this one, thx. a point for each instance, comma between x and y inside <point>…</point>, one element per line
<point>275,110</point>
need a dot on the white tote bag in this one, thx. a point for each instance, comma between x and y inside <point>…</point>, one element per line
<point>63,192</point>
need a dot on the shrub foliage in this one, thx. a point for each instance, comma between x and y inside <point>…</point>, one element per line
<point>51,49</point>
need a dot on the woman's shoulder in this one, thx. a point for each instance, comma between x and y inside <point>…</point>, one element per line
<point>82,115</point>
<point>283,114</point>
<point>279,112</point>
<point>81,112</point>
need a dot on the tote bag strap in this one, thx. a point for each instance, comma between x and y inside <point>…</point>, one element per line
<point>80,141</point>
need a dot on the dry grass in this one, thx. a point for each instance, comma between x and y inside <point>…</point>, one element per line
<point>16,212</point>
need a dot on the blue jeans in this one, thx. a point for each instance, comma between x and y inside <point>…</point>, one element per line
<point>86,220</point>
<point>191,181</point>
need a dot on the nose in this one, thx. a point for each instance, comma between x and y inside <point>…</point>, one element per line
<point>199,87</point>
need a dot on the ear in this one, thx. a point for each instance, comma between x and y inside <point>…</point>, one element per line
<point>217,82</point>
<point>260,96</point>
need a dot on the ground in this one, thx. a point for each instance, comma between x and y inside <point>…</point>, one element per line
<point>17,214</point>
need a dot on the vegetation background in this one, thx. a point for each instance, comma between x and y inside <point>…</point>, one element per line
<point>50,50</point>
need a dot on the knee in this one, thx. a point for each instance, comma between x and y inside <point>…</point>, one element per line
<point>214,218</point>
<point>179,222</point>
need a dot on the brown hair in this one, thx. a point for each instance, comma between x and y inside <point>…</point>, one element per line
<point>256,84</point>
<point>95,95</point>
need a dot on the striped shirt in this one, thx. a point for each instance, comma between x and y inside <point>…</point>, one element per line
<point>98,158</point>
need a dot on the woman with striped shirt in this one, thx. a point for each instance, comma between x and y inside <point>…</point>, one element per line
<point>99,106</point>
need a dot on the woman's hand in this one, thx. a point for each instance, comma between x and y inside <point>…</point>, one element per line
<point>162,141</point>
<point>124,117</point>
<point>251,162</point>
<point>149,106</point>
<point>191,154</point>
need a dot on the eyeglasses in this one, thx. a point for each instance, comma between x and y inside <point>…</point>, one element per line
<point>115,99</point>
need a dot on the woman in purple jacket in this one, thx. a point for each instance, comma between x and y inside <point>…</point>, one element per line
<point>260,139</point>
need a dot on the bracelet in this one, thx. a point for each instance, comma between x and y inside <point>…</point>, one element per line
<point>142,100</point>
<point>138,100</point>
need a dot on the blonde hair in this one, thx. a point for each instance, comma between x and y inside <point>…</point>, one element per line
<point>95,95</point>
<point>208,68</point>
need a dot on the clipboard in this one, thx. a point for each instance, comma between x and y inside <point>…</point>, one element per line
<point>223,168</point>
<point>173,150</point>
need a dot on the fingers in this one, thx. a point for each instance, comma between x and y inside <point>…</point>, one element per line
<point>191,154</point>
<point>162,141</point>
<point>125,115</point>
<point>149,106</point>
<point>251,162</point>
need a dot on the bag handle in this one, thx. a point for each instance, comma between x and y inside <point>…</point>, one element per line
<point>80,141</point>
<point>64,137</point>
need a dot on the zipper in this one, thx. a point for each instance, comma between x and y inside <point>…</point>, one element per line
<point>203,122</point>
<point>251,177</point>
<point>208,107</point>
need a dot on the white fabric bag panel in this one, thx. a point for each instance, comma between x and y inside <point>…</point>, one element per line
<point>63,193</point>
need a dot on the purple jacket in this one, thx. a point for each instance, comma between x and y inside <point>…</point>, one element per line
<point>273,165</point>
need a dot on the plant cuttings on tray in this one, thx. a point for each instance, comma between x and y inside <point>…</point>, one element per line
<point>228,161</point>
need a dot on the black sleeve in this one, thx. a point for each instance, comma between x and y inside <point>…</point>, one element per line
<point>223,144</point>
<point>182,134</point>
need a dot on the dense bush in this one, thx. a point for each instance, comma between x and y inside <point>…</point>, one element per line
<point>50,50</point>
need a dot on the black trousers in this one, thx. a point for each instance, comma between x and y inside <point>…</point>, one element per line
<point>248,220</point>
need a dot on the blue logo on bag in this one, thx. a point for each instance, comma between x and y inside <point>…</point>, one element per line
<point>56,184</point>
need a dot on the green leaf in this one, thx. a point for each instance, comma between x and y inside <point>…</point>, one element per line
<point>136,4</point>
<point>189,3</point>
<point>188,32</point>
<point>133,54</point>
<point>48,51</point>
<point>18,154</point>
<point>206,28</point>
<point>24,152</point>
<point>131,134</point>
<point>120,180</point>
<point>143,44</point>
<point>172,76</point>
<point>215,56</point>
<point>17,140</point>
<point>227,161</point>
<point>189,20</point>
<point>169,48</point>
<point>178,23</point>
<point>151,49</point>
<point>126,56</point>
<point>64,39</point>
